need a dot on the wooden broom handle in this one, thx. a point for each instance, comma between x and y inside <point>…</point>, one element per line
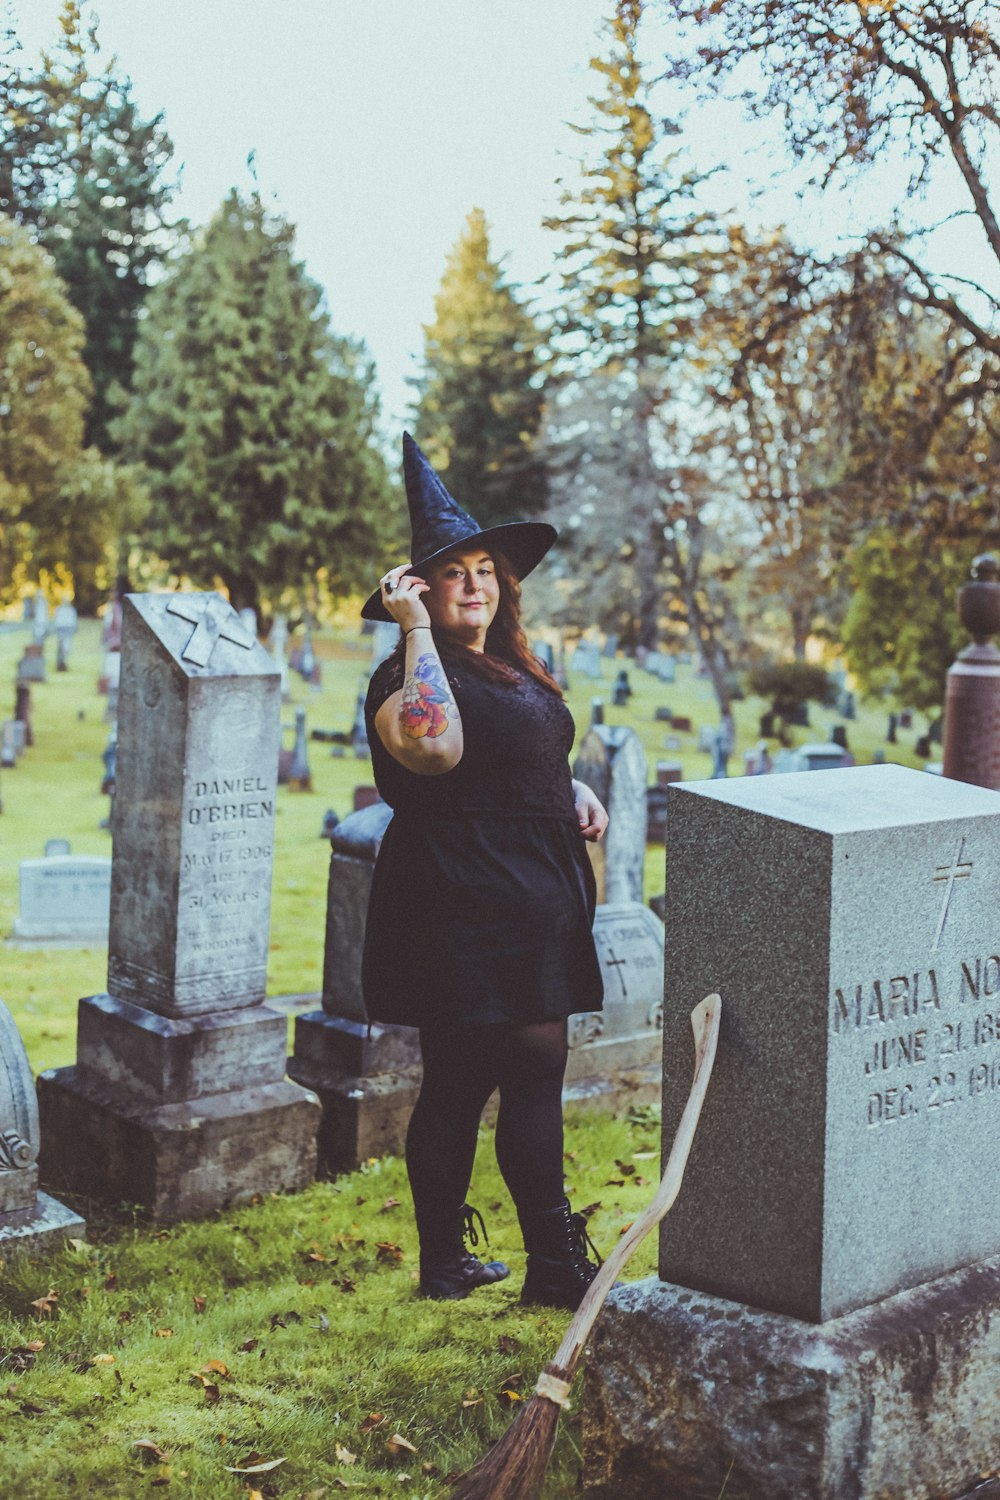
<point>705,1024</point>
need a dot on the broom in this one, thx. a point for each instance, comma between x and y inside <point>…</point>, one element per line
<point>514,1468</point>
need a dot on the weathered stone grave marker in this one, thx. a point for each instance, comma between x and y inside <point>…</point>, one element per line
<point>29,1218</point>
<point>612,762</point>
<point>828,1323</point>
<point>179,1099</point>
<point>65,898</point>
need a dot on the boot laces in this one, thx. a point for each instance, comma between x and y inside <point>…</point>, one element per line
<point>469,1217</point>
<point>581,1241</point>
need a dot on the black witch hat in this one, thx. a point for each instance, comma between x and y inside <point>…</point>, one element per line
<point>440,525</point>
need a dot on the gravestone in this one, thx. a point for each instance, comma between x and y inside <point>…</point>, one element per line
<point>29,1219</point>
<point>828,1322</point>
<point>614,1057</point>
<point>31,667</point>
<point>367,1075</point>
<point>40,618</point>
<point>8,749</point>
<point>64,899</point>
<point>20,735</point>
<point>543,650</point>
<point>612,762</point>
<point>178,1099</point>
<point>64,622</point>
<point>277,643</point>
<point>586,658</point>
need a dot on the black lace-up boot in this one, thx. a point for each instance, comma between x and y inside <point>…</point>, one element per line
<point>559,1267</point>
<point>448,1271</point>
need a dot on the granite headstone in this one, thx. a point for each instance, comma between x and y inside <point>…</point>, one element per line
<point>828,1322</point>
<point>65,898</point>
<point>179,1099</point>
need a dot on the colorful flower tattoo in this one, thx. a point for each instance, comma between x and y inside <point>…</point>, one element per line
<point>426,700</point>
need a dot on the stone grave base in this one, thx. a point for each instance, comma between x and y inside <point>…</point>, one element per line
<point>688,1396</point>
<point>367,1080</point>
<point>178,1160</point>
<point>43,1229</point>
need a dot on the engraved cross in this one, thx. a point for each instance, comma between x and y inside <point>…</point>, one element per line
<point>213,618</point>
<point>618,963</point>
<point>949,874</point>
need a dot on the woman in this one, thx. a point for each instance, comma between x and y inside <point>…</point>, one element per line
<point>479,924</point>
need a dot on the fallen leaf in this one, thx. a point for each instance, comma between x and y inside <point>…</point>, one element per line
<point>164,1333</point>
<point>103,1359</point>
<point>253,1464</point>
<point>200,1304</point>
<point>111,1282</point>
<point>640,1181</point>
<point>346,1284</point>
<point>615,1182</point>
<point>45,1305</point>
<point>344,1455</point>
<point>125,1316</point>
<point>506,1344</point>
<point>625,1228</point>
<point>33,1347</point>
<point>389,1203</point>
<point>29,1409</point>
<point>215,1367</point>
<point>373,1419</point>
<point>430,1469</point>
<point>249,1345</point>
<point>625,1167</point>
<point>212,1392</point>
<point>313,1255</point>
<point>644,1155</point>
<point>398,1444</point>
<point>591,1208</point>
<point>149,1449</point>
<point>385,1250</point>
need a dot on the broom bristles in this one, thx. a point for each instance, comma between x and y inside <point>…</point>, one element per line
<point>514,1468</point>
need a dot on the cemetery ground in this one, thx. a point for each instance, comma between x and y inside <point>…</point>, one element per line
<point>147,1357</point>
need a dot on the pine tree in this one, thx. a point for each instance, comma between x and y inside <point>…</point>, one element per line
<point>479,403</point>
<point>637,268</point>
<point>84,170</point>
<point>60,505</point>
<point>253,423</point>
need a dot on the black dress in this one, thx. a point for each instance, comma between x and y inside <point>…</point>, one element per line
<point>483,897</point>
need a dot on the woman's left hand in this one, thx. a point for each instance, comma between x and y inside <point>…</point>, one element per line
<point>590,811</point>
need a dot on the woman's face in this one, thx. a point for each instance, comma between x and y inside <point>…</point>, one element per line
<point>463,596</point>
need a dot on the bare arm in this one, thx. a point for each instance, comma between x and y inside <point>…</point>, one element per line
<point>420,725</point>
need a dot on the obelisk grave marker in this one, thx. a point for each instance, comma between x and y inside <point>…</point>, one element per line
<point>828,1318</point>
<point>179,1098</point>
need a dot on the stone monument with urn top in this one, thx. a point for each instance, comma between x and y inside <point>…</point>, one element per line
<point>178,1100</point>
<point>972,693</point>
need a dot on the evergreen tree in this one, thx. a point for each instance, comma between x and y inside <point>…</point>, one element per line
<point>60,505</point>
<point>85,171</point>
<point>254,425</point>
<point>637,268</point>
<point>479,403</point>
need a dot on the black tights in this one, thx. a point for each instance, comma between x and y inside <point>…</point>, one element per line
<point>462,1067</point>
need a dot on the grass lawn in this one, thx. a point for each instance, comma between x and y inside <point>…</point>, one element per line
<point>146,1360</point>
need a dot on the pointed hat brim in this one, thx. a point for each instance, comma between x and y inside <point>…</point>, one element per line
<point>439,526</point>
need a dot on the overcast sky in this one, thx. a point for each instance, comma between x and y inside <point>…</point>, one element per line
<point>378,124</point>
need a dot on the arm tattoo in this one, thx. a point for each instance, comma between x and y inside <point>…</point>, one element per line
<point>426,701</point>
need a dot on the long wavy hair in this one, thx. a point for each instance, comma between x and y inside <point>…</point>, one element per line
<point>507,655</point>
